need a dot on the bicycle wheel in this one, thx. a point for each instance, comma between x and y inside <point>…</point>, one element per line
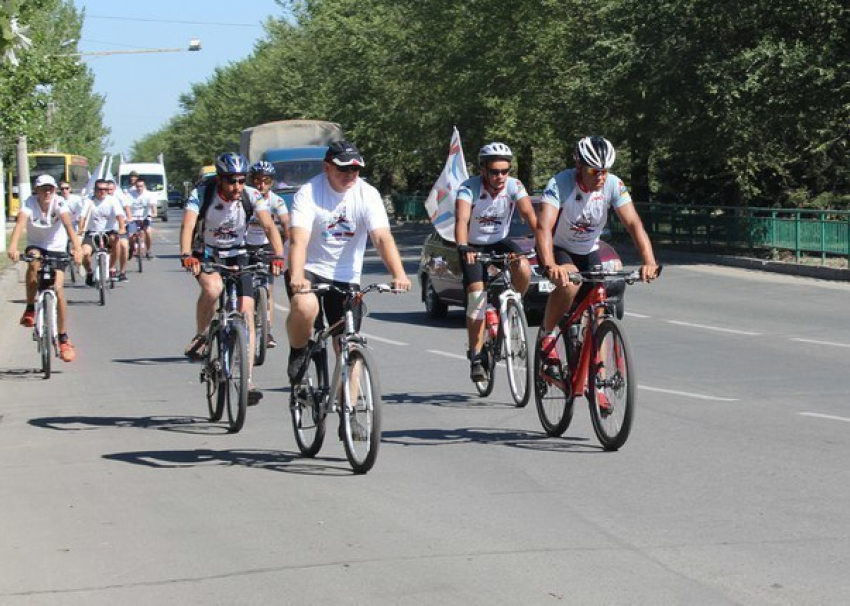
<point>102,277</point>
<point>140,253</point>
<point>235,379</point>
<point>554,402</point>
<point>46,328</point>
<point>307,405</point>
<point>488,350</point>
<point>261,324</point>
<point>360,411</point>
<point>517,354</point>
<point>611,385</point>
<point>212,376</point>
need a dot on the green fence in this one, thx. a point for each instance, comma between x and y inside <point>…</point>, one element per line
<point>824,233</point>
<point>410,207</point>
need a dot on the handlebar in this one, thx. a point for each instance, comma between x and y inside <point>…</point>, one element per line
<point>380,287</point>
<point>52,260</point>
<point>630,277</point>
<point>232,269</point>
<point>502,257</point>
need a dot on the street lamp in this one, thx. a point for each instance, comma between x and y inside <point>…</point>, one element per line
<point>194,45</point>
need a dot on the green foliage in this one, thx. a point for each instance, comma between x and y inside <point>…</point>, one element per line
<point>707,101</point>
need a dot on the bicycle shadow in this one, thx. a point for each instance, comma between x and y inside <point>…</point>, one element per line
<point>517,438</point>
<point>24,374</point>
<point>269,460</point>
<point>151,361</point>
<point>444,400</point>
<point>187,425</point>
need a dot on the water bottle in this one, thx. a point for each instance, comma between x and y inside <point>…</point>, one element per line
<point>492,320</point>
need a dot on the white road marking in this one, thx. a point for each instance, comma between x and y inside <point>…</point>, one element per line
<point>383,340</point>
<point>715,328</point>
<point>688,394</point>
<point>447,354</point>
<point>280,307</point>
<point>816,342</point>
<point>820,416</point>
<point>634,315</point>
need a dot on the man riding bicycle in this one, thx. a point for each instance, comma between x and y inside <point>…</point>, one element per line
<point>104,215</point>
<point>221,210</point>
<point>331,216</point>
<point>262,175</point>
<point>48,225</point>
<point>484,207</point>
<point>574,210</point>
<point>140,204</point>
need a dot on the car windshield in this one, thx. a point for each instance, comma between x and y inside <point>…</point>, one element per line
<point>291,175</point>
<point>519,228</point>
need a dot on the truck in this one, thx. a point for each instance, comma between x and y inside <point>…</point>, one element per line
<point>155,180</point>
<point>296,148</point>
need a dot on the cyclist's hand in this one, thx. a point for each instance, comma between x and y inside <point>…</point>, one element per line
<point>649,271</point>
<point>190,263</point>
<point>467,253</point>
<point>402,283</point>
<point>277,266</point>
<point>78,256</point>
<point>558,275</point>
<point>14,255</point>
<point>300,286</point>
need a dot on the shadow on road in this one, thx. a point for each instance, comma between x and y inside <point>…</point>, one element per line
<point>270,460</point>
<point>446,400</point>
<point>484,435</point>
<point>22,374</point>
<point>190,425</point>
<point>151,361</point>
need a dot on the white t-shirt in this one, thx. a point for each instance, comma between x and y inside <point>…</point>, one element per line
<point>490,217</point>
<point>582,215</point>
<point>225,224</point>
<point>103,214</point>
<point>338,224</point>
<point>256,235</point>
<point>75,205</point>
<point>45,229</point>
<point>142,205</point>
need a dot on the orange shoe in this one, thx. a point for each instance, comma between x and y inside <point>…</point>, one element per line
<point>67,352</point>
<point>28,319</point>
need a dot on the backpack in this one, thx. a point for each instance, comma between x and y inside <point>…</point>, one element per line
<point>206,190</point>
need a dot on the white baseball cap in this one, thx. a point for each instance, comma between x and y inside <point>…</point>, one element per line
<point>45,180</point>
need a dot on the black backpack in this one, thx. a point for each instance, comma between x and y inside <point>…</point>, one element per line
<point>206,189</point>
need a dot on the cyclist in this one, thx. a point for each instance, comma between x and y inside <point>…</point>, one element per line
<point>332,214</point>
<point>47,221</point>
<point>221,210</point>
<point>140,205</point>
<point>123,239</point>
<point>484,207</point>
<point>103,214</point>
<point>73,202</point>
<point>574,210</point>
<point>262,176</point>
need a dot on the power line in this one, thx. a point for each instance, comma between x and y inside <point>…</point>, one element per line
<point>136,19</point>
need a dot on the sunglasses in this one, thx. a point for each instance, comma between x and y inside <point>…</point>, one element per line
<point>101,189</point>
<point>496,172</point>
<point>260,179</point>
<point>348,169</point>
<point>234,180</point>
<point>64,187</point>
<point>594,172</point>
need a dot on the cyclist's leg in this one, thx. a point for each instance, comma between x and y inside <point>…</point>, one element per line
<point>476,306</point>
<point>561,297</point>
<point>148,236</point>
<point>32,275</point>
<point>303,311</point>
<point>520,268</point>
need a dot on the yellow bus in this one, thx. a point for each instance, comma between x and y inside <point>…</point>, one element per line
<point>63,167</point>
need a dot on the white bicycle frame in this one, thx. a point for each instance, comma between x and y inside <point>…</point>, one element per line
<point>41,308</point>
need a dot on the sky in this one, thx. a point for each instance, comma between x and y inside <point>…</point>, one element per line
<point>142,91</point>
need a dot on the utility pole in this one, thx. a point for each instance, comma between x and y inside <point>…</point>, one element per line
<point>23,163</point>
<point>2,204</point>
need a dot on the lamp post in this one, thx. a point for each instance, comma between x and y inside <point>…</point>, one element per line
<point>194,45</point>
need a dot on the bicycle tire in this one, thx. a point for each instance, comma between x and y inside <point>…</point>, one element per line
<point>488,350</point>
<point>307,405</point>
<point>612,397</point>
<point>46,328</point>
<point>140,253</point>
<point>554,405</point>
<point>236,375</point>
<point>360,411</point>
<point>103,273</point>
<point>517,354</point>
<point>212,376</point>
<point>261,324</point>
<point>72,271</point>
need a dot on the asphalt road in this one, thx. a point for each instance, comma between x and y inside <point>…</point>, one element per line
<point>732,489</point>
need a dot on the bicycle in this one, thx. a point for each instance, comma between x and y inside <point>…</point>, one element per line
<point>72,267</point>
<point>353,390</point>
<point>506,330</point>
<point>136,232</point>
<point>100,265</point>
<point>261,306</point>
<point>225,362</point>
<point>595,361</point>
<point>45,330</point>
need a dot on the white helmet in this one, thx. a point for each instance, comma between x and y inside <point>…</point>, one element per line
<point>595,152</point>
<point>494,151</point>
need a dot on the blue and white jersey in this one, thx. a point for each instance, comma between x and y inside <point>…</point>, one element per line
<point>490,218</point>
<point>225,223</point>
<point>581,214</point>
<point>256,235</point>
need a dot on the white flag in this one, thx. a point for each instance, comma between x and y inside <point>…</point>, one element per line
<point>440,204</point>
<point>97,174</point>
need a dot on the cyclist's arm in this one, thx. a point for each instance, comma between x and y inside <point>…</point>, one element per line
<point>76,248</point>
<point>152,206</point>
<point>266,220</point>
<point>545,250</point>
<point>463,212</point>
<point>298,239</point>
<point>526,210</point>
<point>187,228</point>
<point>631,220</point>
<point>20,224</point>
<point>384,242</point>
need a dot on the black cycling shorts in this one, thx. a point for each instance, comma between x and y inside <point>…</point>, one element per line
<point>475,272</point>
<point>331,303</point>
<point>60,266</point>
<point>582,262</point>
<point>245,282</point>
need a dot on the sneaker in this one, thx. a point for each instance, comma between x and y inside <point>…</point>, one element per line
<point>297,366</point>
<point>196,348</point>
<point>67,352</point>
<point>551,366</point>
<point>112,274</point>
<point>89,279</point>
<point>270,342</point>
<point>28,319</point>
<point>122,277</point>
<point>477,370</point>
<point>254,396</point>
<point>149,256</point>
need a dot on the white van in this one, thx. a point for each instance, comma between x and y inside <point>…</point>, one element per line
<point>155,180</point>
